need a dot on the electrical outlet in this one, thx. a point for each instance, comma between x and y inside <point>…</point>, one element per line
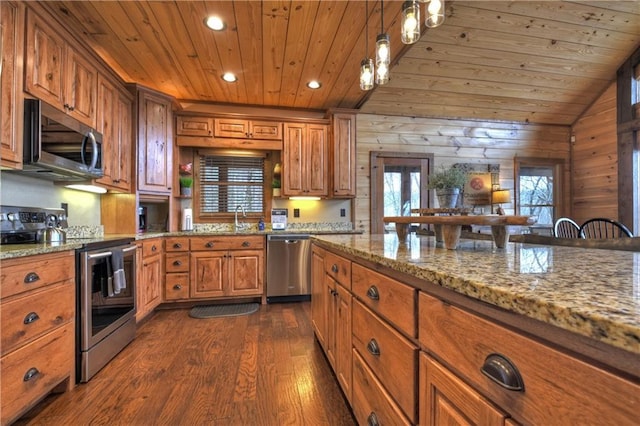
<point>65,207</point>
<point>296,212</point>
<point>343,212</point>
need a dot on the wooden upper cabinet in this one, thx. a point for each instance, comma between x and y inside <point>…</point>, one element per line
<point>155,143</point>
<point>194,126</point>
<point>11,106</point>
<point>305,166</point>
<point>344,155</point>
<point>58,73</point>
<point>114,122</point>
<point>252,129</point>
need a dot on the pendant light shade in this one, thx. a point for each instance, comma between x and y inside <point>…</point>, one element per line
<point>410,22</point>
<point>366,74</point>
<point>435,13</point>
<point>383,51</point>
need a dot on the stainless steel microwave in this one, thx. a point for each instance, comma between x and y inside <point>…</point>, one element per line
<point>57,146</point>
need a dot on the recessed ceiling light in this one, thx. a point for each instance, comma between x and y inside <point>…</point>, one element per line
<point>215,23</point>
<point>229,77</point>
<point>314,84</point>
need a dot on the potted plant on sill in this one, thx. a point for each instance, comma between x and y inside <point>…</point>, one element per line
<point>448,182</point>
<point>186,182</point>
<point>275,184</point>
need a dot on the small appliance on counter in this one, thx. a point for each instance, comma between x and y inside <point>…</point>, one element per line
<point>142,219</point>
<point>279,219</point>
<point>24,225</point>
<point>187,220</point>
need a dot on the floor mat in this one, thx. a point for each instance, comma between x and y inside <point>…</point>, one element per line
<point>213,311</point>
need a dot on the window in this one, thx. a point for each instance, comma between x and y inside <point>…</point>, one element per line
<point>225,182</point>
<point>538,186</point>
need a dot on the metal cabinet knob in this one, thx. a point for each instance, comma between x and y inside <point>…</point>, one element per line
<point>372,293</point>
<point>177,263</point>
<point>30,374</point>
<point>31,317</point>
<point>177,245</point>
<point>334,268</point>
<point>372,420</point>
<point>373,347</point>
<point>31,278</point>
<point>177,287</point>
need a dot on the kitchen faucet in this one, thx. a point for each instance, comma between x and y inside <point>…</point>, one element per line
<point>239,226</point>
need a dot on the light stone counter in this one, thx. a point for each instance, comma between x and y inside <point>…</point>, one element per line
<point>591,292</point>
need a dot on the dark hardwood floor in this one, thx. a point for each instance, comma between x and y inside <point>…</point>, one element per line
<point>260,369</point>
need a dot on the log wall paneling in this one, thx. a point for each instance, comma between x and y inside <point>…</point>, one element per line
<point>454,141</point>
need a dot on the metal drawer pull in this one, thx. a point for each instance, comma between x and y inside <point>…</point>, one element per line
<point>177,263</point>
<point>372,293</point>
<point>30,374</point>
<point>372,420</point>
<point>334,268</point>
<point>246,244</point>
<point>154,248</point>
<point>209,244</point>
<point>31,278</point>
<point>502,371</point>
<point>177,245</point>
<point>177,287</point>
<point>373,347</point>
<point>31,317</point>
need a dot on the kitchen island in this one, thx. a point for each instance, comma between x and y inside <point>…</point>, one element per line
<point>568,319</point>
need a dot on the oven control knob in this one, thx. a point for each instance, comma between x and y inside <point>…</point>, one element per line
<point>14,217</point>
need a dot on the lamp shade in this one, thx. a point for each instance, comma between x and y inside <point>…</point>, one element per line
<point>501,196</point>
<point>410,22</point>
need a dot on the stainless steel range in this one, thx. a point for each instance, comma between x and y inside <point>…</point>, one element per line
<point>24,225</point>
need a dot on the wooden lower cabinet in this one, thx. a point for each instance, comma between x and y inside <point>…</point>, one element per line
<point>150,278</point>
<point>37,308</point>
<point>447,400</point>
<point>226,266</point>
<point>176,284</point>
<point>319,295</point>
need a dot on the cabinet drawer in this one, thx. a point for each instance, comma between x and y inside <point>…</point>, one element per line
<point>176,262</point>
<point>389,298</point>
<point>391,357</point>
<point>176,286</point>
<point>31,272</point>
<point>339,268</point>
<point>36,313</point>
<point>176,244</point>
<point>194,126</point>
<point>558,389</point>
<point>226,243</point>
<point>151,247</point>
<point>370,399</point>
<point>48,360</point>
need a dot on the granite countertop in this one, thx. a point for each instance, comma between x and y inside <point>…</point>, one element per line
<point>10,251</point>
<point>592,292</point>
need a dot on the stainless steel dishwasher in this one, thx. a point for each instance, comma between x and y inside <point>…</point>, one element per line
<point>288,267</point>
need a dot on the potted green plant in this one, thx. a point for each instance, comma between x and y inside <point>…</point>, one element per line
<point>186,182</point>
<point>275,184</point>
<point>448,182</point>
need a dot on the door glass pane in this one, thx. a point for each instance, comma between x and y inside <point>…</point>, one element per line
<point>401,190</point>
<point>536,193</point>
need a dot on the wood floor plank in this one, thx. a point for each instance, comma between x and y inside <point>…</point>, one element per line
<point>263,369</point>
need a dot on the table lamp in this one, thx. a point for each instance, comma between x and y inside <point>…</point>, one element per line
<point>500,196</point>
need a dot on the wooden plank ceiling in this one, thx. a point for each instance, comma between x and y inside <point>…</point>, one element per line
<point>541,62</point>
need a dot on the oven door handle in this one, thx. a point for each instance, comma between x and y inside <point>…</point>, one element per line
<point>109,253</point>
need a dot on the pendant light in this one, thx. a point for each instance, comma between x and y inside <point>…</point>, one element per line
<point>383,51</point>
<point>435,13</point>
<point>366,66</point>
<point>410,22</point>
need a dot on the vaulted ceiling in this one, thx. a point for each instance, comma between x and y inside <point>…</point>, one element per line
<point>542,62</point>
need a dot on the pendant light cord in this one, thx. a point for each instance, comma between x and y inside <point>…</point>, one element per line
<point>366,29</point>
<point>381,16</point>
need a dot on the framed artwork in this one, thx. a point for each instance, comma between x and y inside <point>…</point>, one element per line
<point>477,189</point>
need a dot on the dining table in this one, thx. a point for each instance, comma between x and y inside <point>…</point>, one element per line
<point>452,226</point>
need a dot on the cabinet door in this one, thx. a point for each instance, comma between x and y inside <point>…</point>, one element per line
<point>106,124</point>
<point>80,87</point>
<point>344,155</point>
<point>45,51</point>
<point>246,272</point>
<point>319,295</point>
<point>265,130</point>
<point>208,273</point>
<point>293,157</point>
<point>194,126</point>
<point>152,280</point>
<point>343,340</point>
<point>155,140</point>
<point>315,161</point>
<point>231,128</point>
<point>447,400</point>
<point>122,171</point>
<point>331,312</point>
<point>11,42</point>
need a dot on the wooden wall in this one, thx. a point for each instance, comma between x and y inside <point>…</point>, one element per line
<point>455,141</point>
<point>594,161</point>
